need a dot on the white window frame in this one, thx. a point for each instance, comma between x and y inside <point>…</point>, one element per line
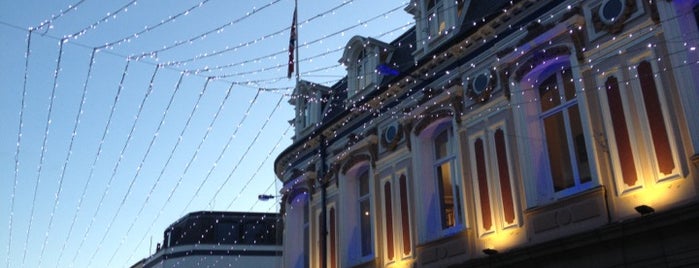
<point>641,141</point>
<point>350,221</point>
<point>429,224</point>
<point>396,214</point>
<point>486,132</point>
<point>538,184</point>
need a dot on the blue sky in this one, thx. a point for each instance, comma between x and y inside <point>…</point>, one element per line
<point>91,183</point>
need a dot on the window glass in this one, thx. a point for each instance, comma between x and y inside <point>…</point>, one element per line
<point>227,233</point>
<point>365,213</point>
<point>388,208</point>
<point>621,132</point>
<point>405,217</point>
<point>504,172</point>
<point>656,120</point>
<point>482,178</point>
<point>565,142</point>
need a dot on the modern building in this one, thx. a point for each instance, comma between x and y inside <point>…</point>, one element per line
<point>496,133</point>
<point>220,239</point>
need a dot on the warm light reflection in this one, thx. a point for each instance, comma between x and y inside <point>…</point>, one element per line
<point>502,240</point>
<point>402,264</point>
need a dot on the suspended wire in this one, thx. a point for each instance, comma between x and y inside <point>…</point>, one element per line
<point>245,154</point>
<point>68,155</point>
<point>17,160</point>
<point>152,27</point>
<point>281,52</point>
<point>102,20</point>
<point>230,139</point>
<point>61,13</point>
<point>44,147</point>
<point>150,146</point>
<point>20,127</point>
<point>118,162</point>
<point>247,150</point>
<point>172,152</point>
<point>276,146</point>
<point>274,181</point>
<point>267,36</point>
<point>98,153</point>
<point>154,53</point>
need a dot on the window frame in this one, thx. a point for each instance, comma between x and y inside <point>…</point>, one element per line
<point>429,213</point>
<point>351,230</point>
<point>564,108</point>
<point>534,159</point>
<point>486,131</point>
<point>638,126</point>
<point>401,233</point>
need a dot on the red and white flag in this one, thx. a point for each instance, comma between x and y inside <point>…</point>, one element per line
<point>292,45</point>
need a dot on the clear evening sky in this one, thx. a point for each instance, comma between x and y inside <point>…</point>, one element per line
<point>116,143</point>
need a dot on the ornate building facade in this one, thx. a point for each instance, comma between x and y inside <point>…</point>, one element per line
<point>511,133</point>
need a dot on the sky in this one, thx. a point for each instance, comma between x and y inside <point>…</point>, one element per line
<point>119,117</point>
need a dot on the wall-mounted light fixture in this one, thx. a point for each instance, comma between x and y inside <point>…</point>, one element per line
<point>490,251</point>
<point>644,210</point>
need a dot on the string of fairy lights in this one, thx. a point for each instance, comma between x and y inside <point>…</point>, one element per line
<point>44,148</point>
<point>167,163</point>
<point>197,73</point>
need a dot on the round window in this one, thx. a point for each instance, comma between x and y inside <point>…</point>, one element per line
<point>390,133</point>
<point>480,83</point>
<point>611,10</point>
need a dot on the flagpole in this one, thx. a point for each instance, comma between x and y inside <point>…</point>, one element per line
<point>296,49</point>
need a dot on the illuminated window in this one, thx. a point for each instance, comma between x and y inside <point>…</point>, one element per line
<point>404,215</point>
<point>449,198</point>
<point>332,240</point>
<point>437,182</point>
<point>565,142</point>
<point>635,150</point>
<point>436,23</point>
<point>491,177</point>
<point>364,214</point>
<point>388,208</point>
<point>397,217</point>
<point>357,227</point>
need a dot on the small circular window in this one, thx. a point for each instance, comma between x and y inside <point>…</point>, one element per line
<point>611,10</point>
<point>480,84</point>
<point>390,133</point>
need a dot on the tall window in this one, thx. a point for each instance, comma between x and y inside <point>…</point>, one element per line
<point>436,22</point>
<point>647,147</point>
<point>362,71</point>
<point>565,142</point>
<point>332,240</point>
<point>397,218</point>
<point>388,208</point>
<point>404,215</point>
<point>491,173</point>
<point>357,228</point>
<point>449,198</point>
<point>364,213</point>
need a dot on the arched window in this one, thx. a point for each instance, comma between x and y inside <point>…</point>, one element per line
<point>565,141</point>
<point>556,138</point>
<point>358,214</point>
<point>439,187</point>
<point>296,229</point>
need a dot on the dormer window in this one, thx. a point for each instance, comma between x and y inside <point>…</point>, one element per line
<point>361,57</point>
<point>308,101</point>
<point>363,71</point>
<point>436,18</point>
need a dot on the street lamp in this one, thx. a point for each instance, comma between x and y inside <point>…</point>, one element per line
<point>265,197</point>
